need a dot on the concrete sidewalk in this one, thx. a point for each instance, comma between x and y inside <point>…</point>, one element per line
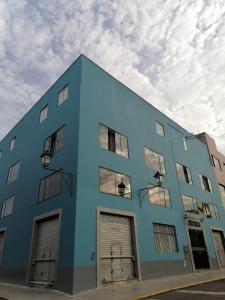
<point>123,291</point>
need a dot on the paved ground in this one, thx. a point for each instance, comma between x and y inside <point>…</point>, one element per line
<point>134,290</point>
<point>209,291</point>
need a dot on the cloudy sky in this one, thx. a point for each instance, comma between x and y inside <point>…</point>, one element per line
<point>171,52</point>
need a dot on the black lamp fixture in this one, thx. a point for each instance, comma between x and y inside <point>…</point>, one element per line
<point>121,189</point>
<point>46,157</point>
<point>142,192</point>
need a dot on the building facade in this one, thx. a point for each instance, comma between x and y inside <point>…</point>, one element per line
<point>69,226</point>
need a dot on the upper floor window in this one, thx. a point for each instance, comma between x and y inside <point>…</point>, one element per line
<point>13,173</point>
<point>159,128</point>
<point>205,183</point>
<point>12,144</point>
<point>110,180</point>
<point>159,196</point>
<point>50,186</point>
<point>113,141</point>
<point>216,162</point>
<point>165,238</point>
<point>213,211</point>
<point>63,95</point>
<point>7,207</point>
<point>185,143</point>
<point>184,173</point>
<point>189,203</point>
<point>222,192</point>
<point>2,240</point>
<point>43,114</point>
<point>0,154</point>
<point>154,160</point>
<point>55,142</point>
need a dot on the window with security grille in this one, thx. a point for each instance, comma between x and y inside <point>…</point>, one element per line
<point>50,186</point>
<point>63,95</point>
<point>159,196</point>
<point>13,173</point>
<point>113,141</point>
<point>165,238</point>
<point>7,207</point>
<point>154,160</point>
<point>184,173</point>
<point>55,142</point>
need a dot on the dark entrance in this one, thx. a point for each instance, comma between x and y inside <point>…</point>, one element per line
<point>199,251</point>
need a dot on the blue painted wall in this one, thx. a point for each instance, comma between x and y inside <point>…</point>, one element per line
<point>30,136</point>
<point>105,100</point>
<point>96,97</point>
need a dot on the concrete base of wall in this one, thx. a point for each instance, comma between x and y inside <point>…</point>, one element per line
<point>164,268</point>
<point>73,281</point>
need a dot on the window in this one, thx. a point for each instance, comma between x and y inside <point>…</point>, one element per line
<point>7,207</point>
<point>113,141</point>
<point>63,95</point>
<point>0,154</point>
<point>110,180</point>
<point>185,143</point>
<point>222,192</point>
<point>43,114</point>
<point>189,203</point>
<point>55,142</point>
<point>50,186</point>
<point>205,183</point>
<point>154,160</point>
<point>159,128</point>
<point>165,238</point>
<point>159,196</point>
<point>184,173</point>
<point>13,173</point>
<point>213,211</point>
<point>12,144</point>
<point>216,162</point>
<point>2,239</point>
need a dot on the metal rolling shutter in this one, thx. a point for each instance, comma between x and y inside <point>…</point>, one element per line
<point>117,260</point>
<point>45,253</point>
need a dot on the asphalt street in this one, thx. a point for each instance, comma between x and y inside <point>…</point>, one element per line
<point>209,291</point>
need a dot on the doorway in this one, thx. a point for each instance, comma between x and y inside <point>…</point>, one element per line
<point>219,247</point>
<point>198,248</point>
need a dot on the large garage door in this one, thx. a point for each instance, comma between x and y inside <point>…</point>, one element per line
<point>117,259</point>
<point>45,250</point>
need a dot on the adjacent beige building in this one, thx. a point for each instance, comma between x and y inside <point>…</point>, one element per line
<point>217,160</point>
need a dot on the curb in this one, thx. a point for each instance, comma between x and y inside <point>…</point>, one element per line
<point>163,291</point>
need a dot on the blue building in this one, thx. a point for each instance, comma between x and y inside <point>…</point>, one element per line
<point>118,199</point>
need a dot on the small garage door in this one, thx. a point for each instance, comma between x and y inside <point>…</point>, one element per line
<point>117,258</point>
<point>45,250</point>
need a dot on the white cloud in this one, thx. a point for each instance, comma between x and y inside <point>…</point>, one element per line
<point>170,52</point>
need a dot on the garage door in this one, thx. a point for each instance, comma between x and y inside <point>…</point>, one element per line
<point>45,250</point>
<point>117,258</point>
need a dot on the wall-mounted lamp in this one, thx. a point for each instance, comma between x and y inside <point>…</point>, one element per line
<point>142,192</point>
<point>46,157</point>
